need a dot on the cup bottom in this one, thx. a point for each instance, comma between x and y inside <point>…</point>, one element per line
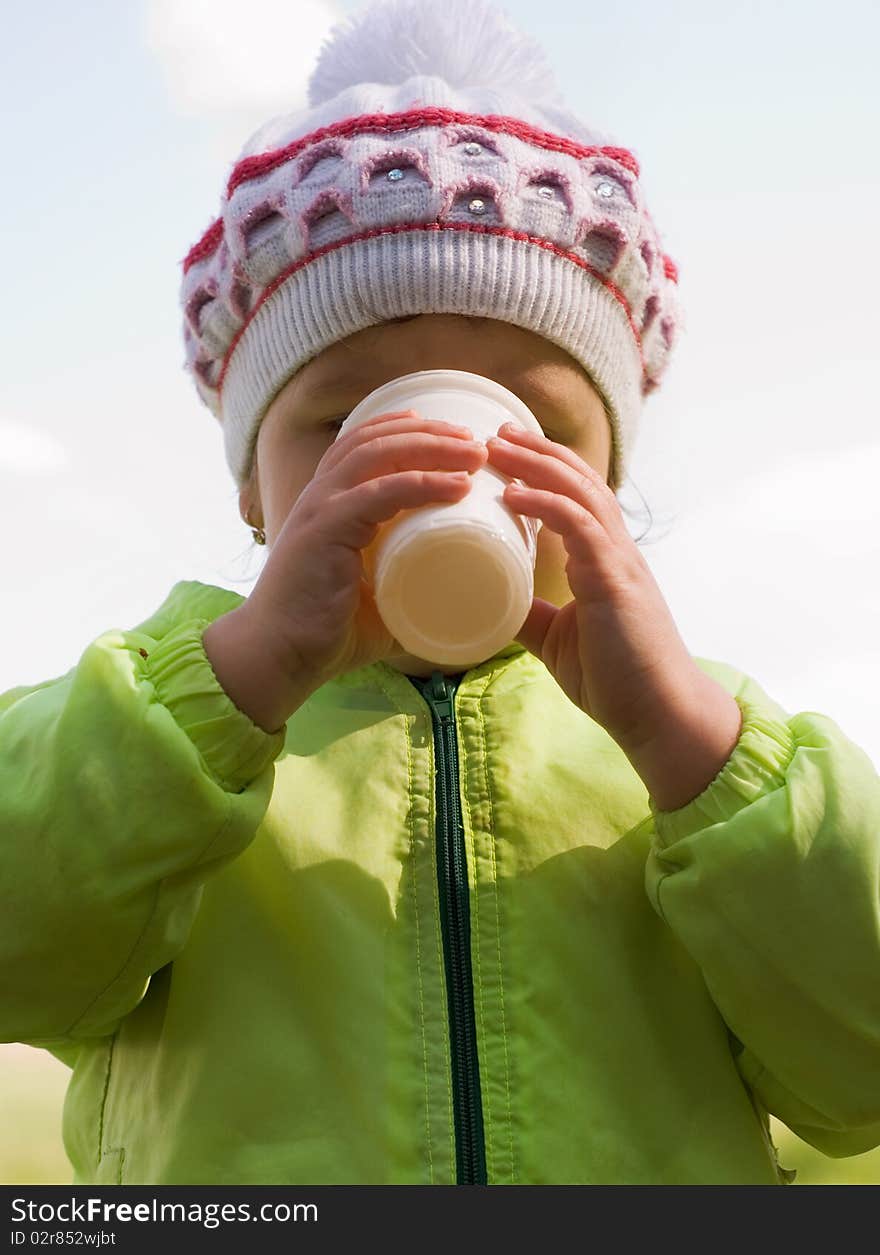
<point>452,598</point>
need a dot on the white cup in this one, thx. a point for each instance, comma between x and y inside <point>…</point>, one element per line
<point>453,581</point>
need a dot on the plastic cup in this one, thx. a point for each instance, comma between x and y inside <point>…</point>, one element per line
<point>453,581</point>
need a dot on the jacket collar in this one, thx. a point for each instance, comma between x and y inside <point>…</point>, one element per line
<point>383,674</point>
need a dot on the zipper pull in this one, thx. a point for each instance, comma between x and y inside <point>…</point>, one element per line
<point>440,696</point>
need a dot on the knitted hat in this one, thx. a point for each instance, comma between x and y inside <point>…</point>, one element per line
<point>436,169</point>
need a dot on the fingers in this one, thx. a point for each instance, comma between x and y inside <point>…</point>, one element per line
<point>357,512</point>
<point>384,426</point>
<point>548,468</point>
<point>313,581</point>
<point>409,451</point>
<point>393,462</point>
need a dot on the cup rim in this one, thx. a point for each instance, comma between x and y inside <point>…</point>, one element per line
<point>445,379</point>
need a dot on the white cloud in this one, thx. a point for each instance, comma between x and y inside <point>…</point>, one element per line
<point>29,451</point>
<point>220,57</point>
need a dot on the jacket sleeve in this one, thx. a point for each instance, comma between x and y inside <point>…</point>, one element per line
<point>770,880</point>
<point>124,785</point>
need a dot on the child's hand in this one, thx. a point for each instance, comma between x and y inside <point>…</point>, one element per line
<point>311,601</point>
<point>614,650</point>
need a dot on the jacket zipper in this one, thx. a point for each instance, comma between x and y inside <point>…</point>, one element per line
<point>470,1145</point>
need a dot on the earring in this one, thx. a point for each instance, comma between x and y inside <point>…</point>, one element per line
<point>258,533</point>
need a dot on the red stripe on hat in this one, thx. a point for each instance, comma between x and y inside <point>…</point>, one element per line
<point>430,226</point>
<point>206,245</point>
<point>263,163</point>
<point>670,269</point>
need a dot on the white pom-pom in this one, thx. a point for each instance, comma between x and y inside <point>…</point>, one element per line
<point>468,43</point>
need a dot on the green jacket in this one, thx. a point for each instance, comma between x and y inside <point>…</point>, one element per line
<point>428,933</point>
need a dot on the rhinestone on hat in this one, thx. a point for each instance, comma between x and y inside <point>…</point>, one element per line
<point>477,206</point>
<point>473,150</point>
<point>395,174</point>
<point>605,189</point>
<point>546,191</point>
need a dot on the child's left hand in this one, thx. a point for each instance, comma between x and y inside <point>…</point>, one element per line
<point>614,650</point>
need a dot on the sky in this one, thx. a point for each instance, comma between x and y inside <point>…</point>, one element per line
<point>755,128</point>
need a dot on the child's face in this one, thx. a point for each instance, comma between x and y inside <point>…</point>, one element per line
<point>297,429</point>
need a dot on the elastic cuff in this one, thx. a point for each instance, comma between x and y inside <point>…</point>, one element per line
<point>235,749</point>
<point>757,765</point>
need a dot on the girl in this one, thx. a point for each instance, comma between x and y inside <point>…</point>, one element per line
<point>297,907</point>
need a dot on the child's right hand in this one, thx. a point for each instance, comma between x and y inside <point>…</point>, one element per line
<point>311,605</point>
